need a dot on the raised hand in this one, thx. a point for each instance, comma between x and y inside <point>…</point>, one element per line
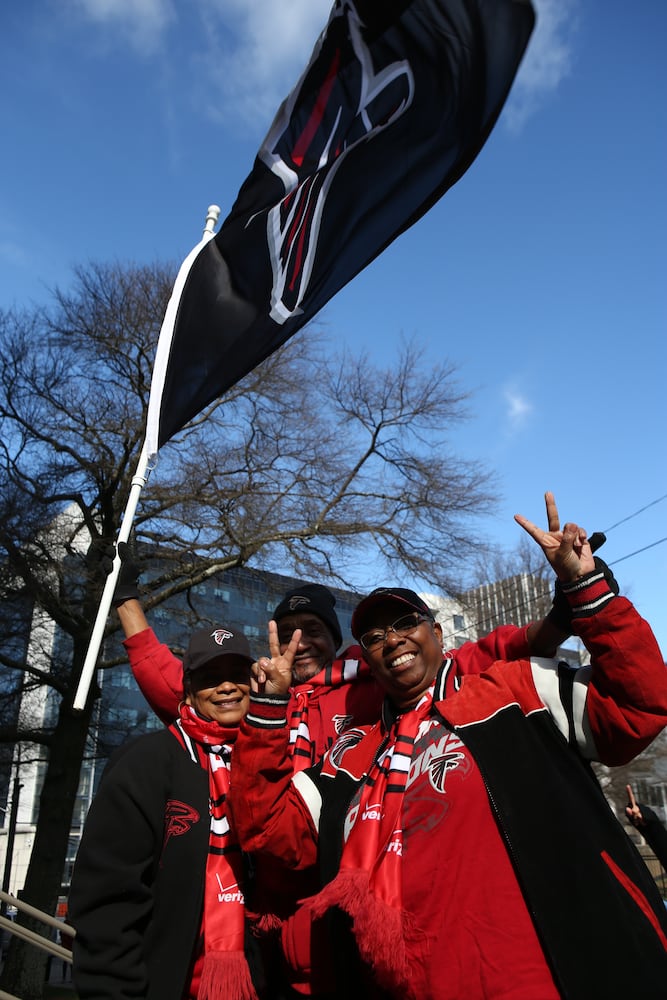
<point>566,549</point>
<point>632,810</point>
<point>273,674</point>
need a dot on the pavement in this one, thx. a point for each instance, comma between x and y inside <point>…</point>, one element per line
<point>53,991</point>
<point>59,985</point>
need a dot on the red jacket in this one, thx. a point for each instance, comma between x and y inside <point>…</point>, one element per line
<point>529,727</point>
<point>159,675</point>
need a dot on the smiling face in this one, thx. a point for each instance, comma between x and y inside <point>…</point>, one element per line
<point>220,691</point>
<point>316,649</point>
<point>405,665</point>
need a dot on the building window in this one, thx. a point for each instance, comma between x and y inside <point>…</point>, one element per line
<point>459,623</point>
<point>122,678</point>
<point>224,595</point>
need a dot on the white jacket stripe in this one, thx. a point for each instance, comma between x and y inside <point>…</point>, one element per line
<point>310,795</point>
<point>571,717</point>
<point>582,726</point>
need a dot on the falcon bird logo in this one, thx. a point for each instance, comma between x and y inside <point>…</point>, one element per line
<point>345,743</point>
<point>178,819</point>
<point>298,602</point>
<point>220,635</point>
<point>439,766</point>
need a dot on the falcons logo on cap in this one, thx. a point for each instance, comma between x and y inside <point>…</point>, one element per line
<point>297,602</point>
<point>220,635</point>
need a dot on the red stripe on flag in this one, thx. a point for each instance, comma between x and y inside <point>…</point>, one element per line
<point>303,142</point>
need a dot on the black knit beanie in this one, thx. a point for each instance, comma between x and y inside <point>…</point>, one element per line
<point>314,599</point>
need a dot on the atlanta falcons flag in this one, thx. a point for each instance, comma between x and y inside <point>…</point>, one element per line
<point>396,102</point>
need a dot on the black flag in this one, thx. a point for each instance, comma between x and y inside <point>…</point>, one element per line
<point>396,102</point>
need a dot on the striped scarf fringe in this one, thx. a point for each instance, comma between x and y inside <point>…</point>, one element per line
<point>224,973</point>
<point>368,886</point>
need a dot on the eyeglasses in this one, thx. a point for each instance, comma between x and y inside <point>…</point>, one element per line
<point>402,626</point>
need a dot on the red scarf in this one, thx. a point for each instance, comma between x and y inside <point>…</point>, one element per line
<point>368,885</point>
<point>224,971</point>
<point>306,696</point>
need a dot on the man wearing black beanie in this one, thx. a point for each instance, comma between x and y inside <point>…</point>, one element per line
<point>329,693</point>
<point>310,607</point>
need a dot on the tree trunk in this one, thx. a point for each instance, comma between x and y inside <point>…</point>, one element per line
<point>25,968</point>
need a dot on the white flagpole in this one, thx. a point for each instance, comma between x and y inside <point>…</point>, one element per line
<point>163,350</point>
<point>138,482</point>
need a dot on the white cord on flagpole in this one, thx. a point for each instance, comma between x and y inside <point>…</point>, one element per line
<point>138,482</point>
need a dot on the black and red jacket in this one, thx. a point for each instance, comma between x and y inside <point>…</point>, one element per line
<point>532,727</point>
<point>332,710</point>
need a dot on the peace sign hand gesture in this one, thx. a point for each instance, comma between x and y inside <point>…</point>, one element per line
<point>273,674</point>
<point>566,549</point>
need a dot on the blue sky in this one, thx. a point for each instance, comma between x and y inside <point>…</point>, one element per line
<point>541,275</point>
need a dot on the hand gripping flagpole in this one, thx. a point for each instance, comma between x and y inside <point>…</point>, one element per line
<point>145,464</point>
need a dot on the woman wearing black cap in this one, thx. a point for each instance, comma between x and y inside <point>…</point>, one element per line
<point>157,894</point>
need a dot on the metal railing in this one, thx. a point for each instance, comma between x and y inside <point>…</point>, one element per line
<point>38,940</point>
<point>657,871</point>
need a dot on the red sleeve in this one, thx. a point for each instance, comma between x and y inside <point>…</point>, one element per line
<point>627,693</point>
<point>158,673</point>
<point>270,816</point>
<point>507,642</point>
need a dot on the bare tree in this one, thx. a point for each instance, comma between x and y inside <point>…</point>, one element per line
<point>310,463</point>
<point>507,586</point>
<point>645,771</point>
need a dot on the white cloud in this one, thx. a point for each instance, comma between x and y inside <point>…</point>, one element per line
<point>258,56</point>
<point>141,22</point>
<point>251,51</point>
<point>548,59</point>
<point>518,408</point>
<point>257,49</point>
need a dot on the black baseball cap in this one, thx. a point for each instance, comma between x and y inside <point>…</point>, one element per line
<point>381,595</point>
<point>214,643</point>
